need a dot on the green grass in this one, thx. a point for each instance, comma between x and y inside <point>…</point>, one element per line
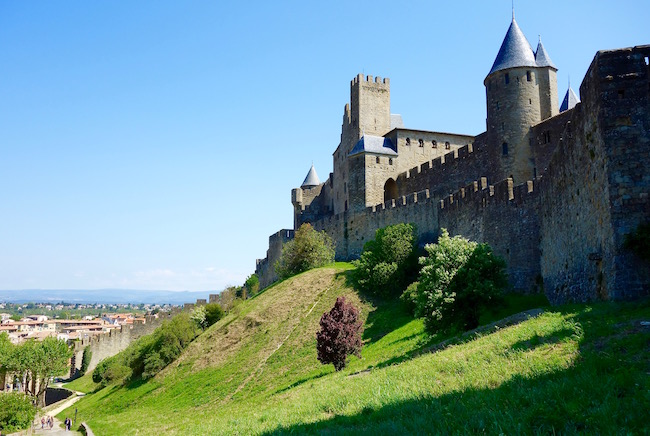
<point>83,384</point>
<point>574,369</point>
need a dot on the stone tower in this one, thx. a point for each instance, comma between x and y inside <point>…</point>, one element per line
<point>521,91</point>
<point>368,113</point>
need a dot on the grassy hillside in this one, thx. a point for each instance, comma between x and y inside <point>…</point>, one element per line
<point>573,369</point>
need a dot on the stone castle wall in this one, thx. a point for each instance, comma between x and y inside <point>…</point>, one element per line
<point>563,230</point>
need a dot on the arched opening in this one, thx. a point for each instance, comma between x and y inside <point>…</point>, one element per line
<point>390,190</point>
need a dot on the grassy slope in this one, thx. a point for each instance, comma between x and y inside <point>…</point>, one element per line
<point>576,369</point>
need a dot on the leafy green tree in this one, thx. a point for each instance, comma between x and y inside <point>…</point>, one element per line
<point>388,262</point>
<point>252,285</point>
<point>38,362</point>
<point>459,279</point>
<point>307,250</point>
<point>213,313</point>
<point>198,316</point>
<point>16,412</point>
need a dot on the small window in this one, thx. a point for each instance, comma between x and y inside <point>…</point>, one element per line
<point>447,145</point>
<point>647,60</point>
<point>497,105</point>
<point>345,187</point>
<point>408,141</point>
<point>528,76</point>
<point>504,148</point>
<point>346,205</point>
<point>434,144</point>
<point>530,101</point>
<point>390,161</point>
<point>507,77</point>
<point>421,142</point>
<point>621,93</point>
<point>378,160</point>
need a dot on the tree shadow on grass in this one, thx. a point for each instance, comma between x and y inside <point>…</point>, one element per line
<point>602,391</point>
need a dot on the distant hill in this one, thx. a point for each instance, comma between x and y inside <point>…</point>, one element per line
<point>104,296</point>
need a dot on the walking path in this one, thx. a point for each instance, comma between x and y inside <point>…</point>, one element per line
<point>52,410</point>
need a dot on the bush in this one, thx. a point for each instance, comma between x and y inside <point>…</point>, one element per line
<point>459,279</point>
<point>639,241</point>
<point>308,249</point>
<point>410,297</point>
<point>213,313</point>
<point>340,334</point>
<point>252,285</point>
<point>198,316</point>
<point>85,360</point>
<point>148,355</point>
<point>16,412</point>
<point>388,262</point>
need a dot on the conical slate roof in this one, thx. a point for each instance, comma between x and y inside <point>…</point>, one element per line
<point>542,58</point>
<point>570,100</point>
<point>515,51</point>
<point>312,178</point>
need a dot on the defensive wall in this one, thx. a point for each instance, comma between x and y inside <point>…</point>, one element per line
<point>563,231</point>
<point>110,343</point>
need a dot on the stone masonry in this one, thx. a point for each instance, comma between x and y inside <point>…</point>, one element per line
<point>553,193</point>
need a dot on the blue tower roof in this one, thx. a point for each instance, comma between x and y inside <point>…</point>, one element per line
<point>312,178</point>
<point>542,58</point>
<point>515,51</point>
<point>570,100</point>
<point>374,144</point>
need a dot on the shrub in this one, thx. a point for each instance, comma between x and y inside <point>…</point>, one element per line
<point>410,297</point>
<point>252,285</point>
<point>388,262</point>
<point>16,412</point>
<point>213,313</point>
<point>339,335</point>
<point>85,360</point>
<point>459,279</point>
<point>639,241</point>
<point>308,249</point>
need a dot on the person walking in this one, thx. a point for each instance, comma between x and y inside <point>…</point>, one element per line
<point>42,422</point>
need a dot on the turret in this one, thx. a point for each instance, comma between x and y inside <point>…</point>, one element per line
<point>521,90</point>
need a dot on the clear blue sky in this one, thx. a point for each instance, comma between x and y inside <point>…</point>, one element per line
<point>154,144</point>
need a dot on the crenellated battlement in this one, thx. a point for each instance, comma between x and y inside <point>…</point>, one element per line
<point>360,78</point>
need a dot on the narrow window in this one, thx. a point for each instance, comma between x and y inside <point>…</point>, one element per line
<point>528,76</point>
<point>621,93</point>
<point>346,205</point>
<point>507,77</point>
<point>421,142</point>
<point>377,159</point>
<point>434,143</point>
<point>497,105</point>
<point>647,60</point>
<point>530,101</point>
<point>408,141</point>
<point>390,161</point>
<point>447,145</point>
<point>504,148</point>
<point>345,187</point>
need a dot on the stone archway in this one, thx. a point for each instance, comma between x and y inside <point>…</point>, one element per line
<point>390,190</point>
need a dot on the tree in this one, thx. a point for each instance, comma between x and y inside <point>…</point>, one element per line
<point>308,249</point>
<point>198,316</point>
<point>459,278</point>
<point>16,412</point>
<point>388,262</point>
<point>339,335</point>
<point>213,313</point>
<point>252,285</point>
<point>37,362</point>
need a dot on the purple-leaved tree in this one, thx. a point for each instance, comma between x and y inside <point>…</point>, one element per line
<point>339,335</point>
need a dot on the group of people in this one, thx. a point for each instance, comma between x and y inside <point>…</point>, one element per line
<point>49,422</point>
